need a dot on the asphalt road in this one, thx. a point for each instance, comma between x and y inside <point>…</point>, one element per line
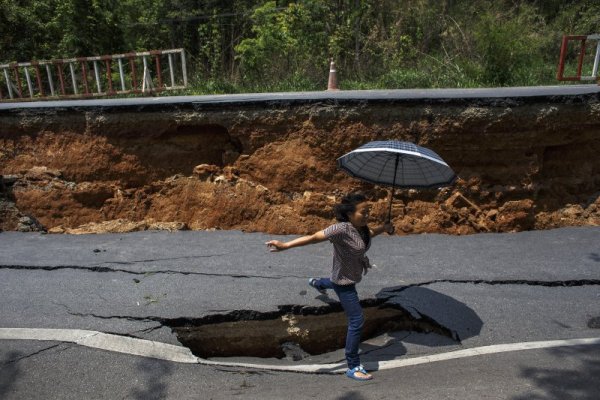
<point>488,289</point>
<point>342,96</point>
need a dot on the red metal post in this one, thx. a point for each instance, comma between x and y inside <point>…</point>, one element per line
<point>38,78</point>
<point>109,75</point>
<point>561,61</point>
<point>158,69</point>
<point>61,78</point>
<point>133,78</point>
<point>18,79</point>
<point>86,90</point>
<point>581,55</point>
<point>158,73</point>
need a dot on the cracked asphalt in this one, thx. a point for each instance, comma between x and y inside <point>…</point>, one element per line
<point>487,289</point>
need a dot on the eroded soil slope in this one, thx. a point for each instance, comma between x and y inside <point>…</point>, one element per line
<point>522,165</point>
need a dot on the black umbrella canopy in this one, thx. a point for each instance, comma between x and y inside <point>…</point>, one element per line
<point>397,164</point>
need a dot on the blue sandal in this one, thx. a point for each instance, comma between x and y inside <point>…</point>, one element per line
<point>350,373</point>
<point>311,283</point>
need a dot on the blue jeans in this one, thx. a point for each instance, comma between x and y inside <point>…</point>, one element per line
<point>349,299</point>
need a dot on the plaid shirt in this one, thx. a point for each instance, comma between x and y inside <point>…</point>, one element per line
<point>349,248</point>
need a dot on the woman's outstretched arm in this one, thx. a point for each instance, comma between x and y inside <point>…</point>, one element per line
<point>276,245</point>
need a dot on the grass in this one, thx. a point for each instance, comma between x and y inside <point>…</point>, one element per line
<point>464,75</point>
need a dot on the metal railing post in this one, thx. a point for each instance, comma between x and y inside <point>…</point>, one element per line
<point>184,68</point>
<point>582,39</point>
<point>121,74</point>
<point>18,80</point>
<point>28,79</point>
<point>581,56</point>
<point>171,72</point>
<point>61,77</point>
<point>73,79</point>
<point>133,76</point>
<point>50,81</point>
<point>109,75</point>
<point>84,78</point>
<point>146,81</point>
<point>158,71</point>
<point>8,84</point>
<point>97,75</point>
<point>38,77</point>
<point>596,61</point>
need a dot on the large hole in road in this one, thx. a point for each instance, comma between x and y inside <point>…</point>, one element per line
<point>293,331</point>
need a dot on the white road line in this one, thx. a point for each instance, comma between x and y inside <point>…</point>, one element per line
<point>169,352</point>
<point>105,341</point>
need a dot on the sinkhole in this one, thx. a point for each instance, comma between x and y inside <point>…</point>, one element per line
<point>294,332</point>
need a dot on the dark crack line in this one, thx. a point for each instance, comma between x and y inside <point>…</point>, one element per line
<point>33,354</point>
<point>157,320</point>
<point>132,334</point>
<point>565,283</point>
<point>145,273</point>
<point>243,371</point>
<point>160,320</point>
<point>163,259</point>
<point>148,330</point>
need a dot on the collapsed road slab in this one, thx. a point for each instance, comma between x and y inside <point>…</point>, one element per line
<point>471,290</point>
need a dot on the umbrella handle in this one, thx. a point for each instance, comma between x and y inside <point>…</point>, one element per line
<point>389,217</point>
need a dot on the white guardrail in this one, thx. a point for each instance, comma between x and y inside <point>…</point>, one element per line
<point>108,75</point>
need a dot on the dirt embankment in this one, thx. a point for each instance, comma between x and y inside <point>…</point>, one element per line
<point>521,164</point>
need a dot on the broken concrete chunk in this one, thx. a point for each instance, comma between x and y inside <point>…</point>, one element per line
<point>29,224</point>
<point>515,216</point>
<point>458,200</point>
<point>205,171</point>
<point>8,180</point>
<point>42,173</point>
<point>293,351</point>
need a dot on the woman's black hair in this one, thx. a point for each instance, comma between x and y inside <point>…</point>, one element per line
<point>346,207</point>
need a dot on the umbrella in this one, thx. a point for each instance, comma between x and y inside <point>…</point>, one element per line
<point>397,164</point>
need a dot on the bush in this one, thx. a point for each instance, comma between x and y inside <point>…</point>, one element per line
<point>506,44</point>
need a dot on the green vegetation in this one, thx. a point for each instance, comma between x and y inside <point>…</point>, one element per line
<point>257,45</point>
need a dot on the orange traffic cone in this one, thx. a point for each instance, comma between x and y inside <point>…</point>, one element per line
<point>332,83</point>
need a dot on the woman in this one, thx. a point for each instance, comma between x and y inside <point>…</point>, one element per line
<point>351,238</point>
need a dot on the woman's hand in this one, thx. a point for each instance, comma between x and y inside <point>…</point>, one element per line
<point>386,227</point>
<point>276,245</point>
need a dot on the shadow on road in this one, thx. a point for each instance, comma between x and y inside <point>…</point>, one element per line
<point>456,322</point>
<point>154,376</point>
<point>446,311</point>
<point>9,372</point>
<point>351,395</point>
<point>595,257</point>
<point>559,383</point>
